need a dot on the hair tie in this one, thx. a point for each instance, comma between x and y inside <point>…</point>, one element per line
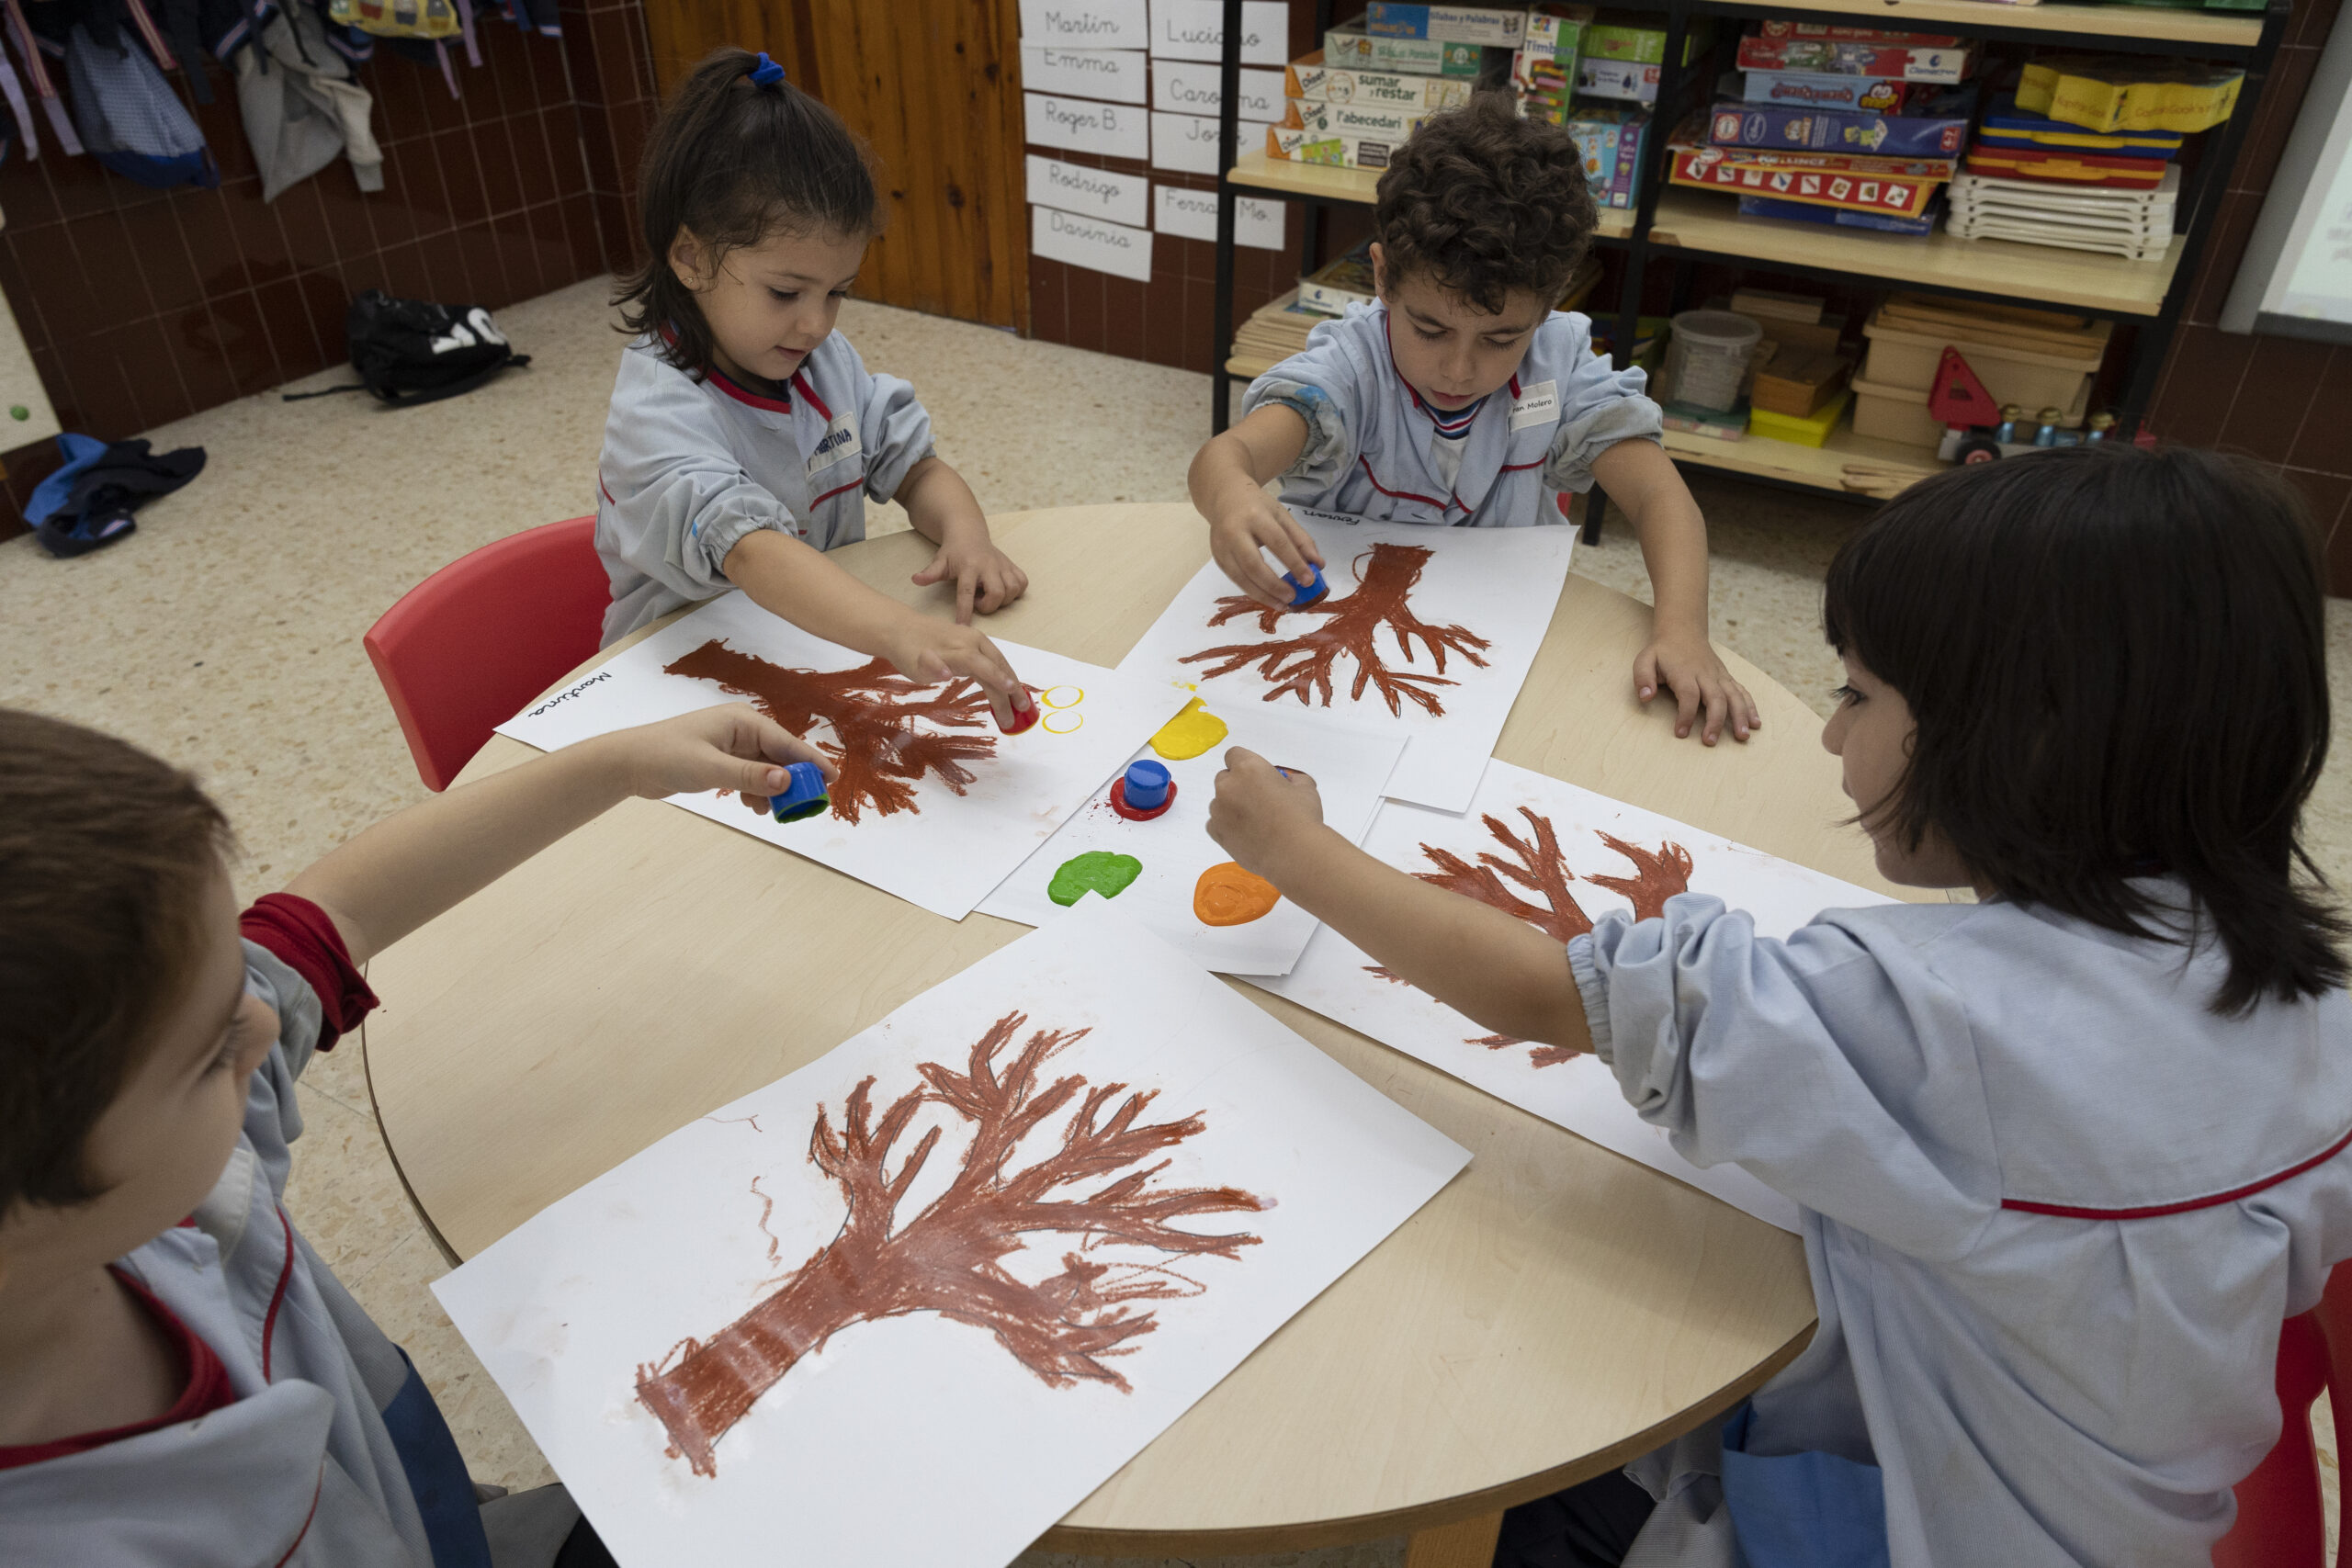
<point>766,72</point>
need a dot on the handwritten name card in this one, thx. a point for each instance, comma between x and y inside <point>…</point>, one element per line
<point>1095,192</point>
<point>1113,73</point>
<point>1079,125</point>
<point>1084,24</point>
<point>1194,29</point>
<point>1187,87</point>
<point>1091,243</point>
<point>1191,215</point>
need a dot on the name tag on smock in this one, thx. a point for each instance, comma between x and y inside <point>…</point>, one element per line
<point>840,442</point>
<point>1538,404</point>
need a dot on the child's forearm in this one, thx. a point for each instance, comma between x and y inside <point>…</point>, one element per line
<point>939,503</point>
<point>1641,479</point>
<point>789,578</point>
<point>1502,973</point>
<point>412,866</point>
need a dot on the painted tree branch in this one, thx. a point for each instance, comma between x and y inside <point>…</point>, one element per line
<point>873,713</point>
<point>949,1258</point>
<point>1350,626</point>
<point>1538,866</point>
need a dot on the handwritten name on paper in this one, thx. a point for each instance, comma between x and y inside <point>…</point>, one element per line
<point>1095,192</point>
<point>1190,87</point>
<point>1091,243</point>
<point>1194,29</point>
<point>567,697</point>
<point>1185,142</point>
<point>1085,24</point>
<point>1113,73</point>
<point>1080,125</point>
<point>1191,214</point>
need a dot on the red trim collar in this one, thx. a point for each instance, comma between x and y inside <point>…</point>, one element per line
<point>1404,494</point>
<point>720,380</point>
<point>2156,1211</point>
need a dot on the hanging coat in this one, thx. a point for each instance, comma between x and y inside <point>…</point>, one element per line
<point>301,108</point>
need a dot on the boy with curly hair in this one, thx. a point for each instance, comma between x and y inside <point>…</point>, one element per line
<point>1460,398</point>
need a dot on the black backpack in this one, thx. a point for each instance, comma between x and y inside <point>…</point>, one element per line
<point>412,351</point>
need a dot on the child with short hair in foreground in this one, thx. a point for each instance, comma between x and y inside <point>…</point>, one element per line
<point>1461,398</point>
<point>745,434</point>
<point>183,1381</point>
<point>2068,1156</point>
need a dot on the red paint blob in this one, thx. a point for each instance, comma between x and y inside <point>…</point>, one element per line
<point>1119,801</point>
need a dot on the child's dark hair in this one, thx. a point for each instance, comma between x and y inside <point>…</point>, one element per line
<point>735,162</point>
<point>105,855</point>
<point>1482,202</point>
<point>2116,661</point>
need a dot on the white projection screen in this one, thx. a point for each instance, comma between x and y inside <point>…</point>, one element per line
<point>2296,279</point>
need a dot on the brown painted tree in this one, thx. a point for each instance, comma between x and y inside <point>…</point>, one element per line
<point>1538,866</point>
<point>950,1258</point>
<point>873,714</point>
<point>1351,624</point>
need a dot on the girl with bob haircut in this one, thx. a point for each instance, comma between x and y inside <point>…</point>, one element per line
<point>745,434</point>
<point>2068,1155</point>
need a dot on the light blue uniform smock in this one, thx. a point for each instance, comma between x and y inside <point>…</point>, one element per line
<point>2055,1211</point>
<point>1373,451</point>
<point>693,463</point>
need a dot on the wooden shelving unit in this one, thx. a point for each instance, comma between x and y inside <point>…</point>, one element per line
<point>1687,226</point>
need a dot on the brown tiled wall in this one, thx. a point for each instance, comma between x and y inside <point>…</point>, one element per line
<point>144,306</point>
<point>2285,401</point>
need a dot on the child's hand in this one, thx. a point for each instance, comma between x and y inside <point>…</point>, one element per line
<point>931,652</point>
<point>735,747</point>
<point>1253,519</point>
<point>985,577</point>
<point>1690,666</point>
<point>1261,809</point>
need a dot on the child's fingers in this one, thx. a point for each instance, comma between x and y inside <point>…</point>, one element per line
<point>1646,676</point>
<point>1288,551</point>
<point>1300,537</point>
<point>933,572</point>
<point>1247,570</point>
<point>968,582</point>
<point>1717,703</point>
<point>1685,707</point>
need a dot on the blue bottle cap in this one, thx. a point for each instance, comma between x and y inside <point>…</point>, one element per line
<point>805,797</point>
<point>1146,786</point>
<point>1305,593</point>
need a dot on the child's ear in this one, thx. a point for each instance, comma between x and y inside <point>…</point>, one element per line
<point>1379,271</point>
<point>689,260</point>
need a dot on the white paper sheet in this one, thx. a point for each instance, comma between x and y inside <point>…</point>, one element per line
<point>1349,768</point>
<point>1475,601</point>
<point>1117,74</point>
<point>1185,142</point>
<point>921,1440</point>
<point>1082,125</point>
<point>1089,193</point>
<point>1194,29</point>
<point>907,830</point>
<point>1085,24</point>
<point>1091,243</point>
<point>1191,214</point>
<point>1335,977</point>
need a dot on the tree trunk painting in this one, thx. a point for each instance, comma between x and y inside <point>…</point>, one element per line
<point>873,713</point>
<point>1537,865</point>
<point>949,1258</point>
<point>1351,624</point>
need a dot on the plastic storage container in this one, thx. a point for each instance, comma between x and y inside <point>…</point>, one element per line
<point>1707,359</point>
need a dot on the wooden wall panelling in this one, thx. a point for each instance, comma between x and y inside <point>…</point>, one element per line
<point>682,31</point>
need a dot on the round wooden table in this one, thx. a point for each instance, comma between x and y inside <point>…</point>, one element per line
<point>1553,1311</point>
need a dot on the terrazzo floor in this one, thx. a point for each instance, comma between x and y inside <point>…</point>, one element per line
<point>225,635</point>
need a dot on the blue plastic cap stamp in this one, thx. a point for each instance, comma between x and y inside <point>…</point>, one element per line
<point>806,797</point>
<point>1143,792</point>
<point>1305,593</point>
<point>766,72</point>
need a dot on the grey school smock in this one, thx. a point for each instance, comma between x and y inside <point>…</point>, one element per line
<point>1373,451</point>
<point>691,465</point>
<point>2055,1210</point>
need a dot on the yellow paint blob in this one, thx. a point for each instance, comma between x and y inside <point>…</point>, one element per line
<point>1228,895</point>
<point>1189,734</point>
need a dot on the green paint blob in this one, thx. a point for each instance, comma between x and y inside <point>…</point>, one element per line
<point>1096,870</point>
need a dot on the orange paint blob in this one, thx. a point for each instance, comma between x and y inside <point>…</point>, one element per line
<point>1228,895</point>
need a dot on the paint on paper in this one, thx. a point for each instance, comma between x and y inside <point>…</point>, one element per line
<point>1096,870</point>
<point>1190,733</point>
<point>1228,895</point>
<point>1351,625</point>
<point>873,713</point>
<point>949,1260</point>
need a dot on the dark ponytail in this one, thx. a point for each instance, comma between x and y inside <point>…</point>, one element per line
<point>737,160</point>
<point>2116,661</point>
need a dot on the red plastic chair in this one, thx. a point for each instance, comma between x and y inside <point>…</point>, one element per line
<point>2282,1522</point>
<point>467,648</point>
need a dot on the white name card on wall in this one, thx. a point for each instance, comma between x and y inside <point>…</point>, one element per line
<point>1187,142</point>
<point>1091,243</point>
<point>1084,24</point>
<point>1187,87</point>
<point>1113,73</point>
<point>1194,29</point>
<point>1096,193</point>
<point>1081,126</point>
<point>1191,215</point>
